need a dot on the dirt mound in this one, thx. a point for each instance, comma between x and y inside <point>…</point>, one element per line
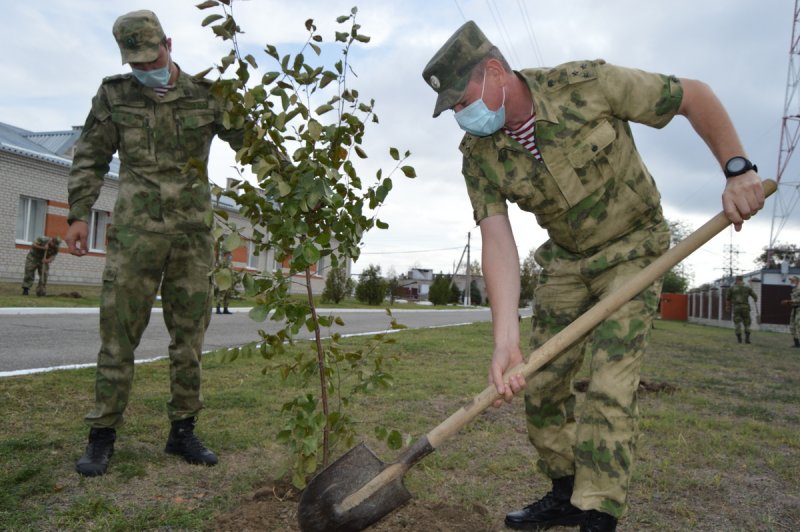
<point>274,507</point>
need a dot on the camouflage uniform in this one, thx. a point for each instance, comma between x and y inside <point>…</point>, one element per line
<point>794,317</point>
<point>161,233</point>
<point>737,296</point>
<point>35,263</point>
<point>223,296</point>
<point>602,212</point>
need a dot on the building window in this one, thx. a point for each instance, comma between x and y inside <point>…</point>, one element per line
<point>252,258</point>
<point>98,230</point>
<point>30,219</point>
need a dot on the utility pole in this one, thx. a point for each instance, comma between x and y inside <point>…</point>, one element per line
<point>790,131</point>
<point>468,284</point>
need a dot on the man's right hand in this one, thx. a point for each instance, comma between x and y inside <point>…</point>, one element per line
<point>77,238</point>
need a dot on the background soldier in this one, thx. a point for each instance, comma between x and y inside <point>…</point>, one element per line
<point>43,251</point>
<point>159,120</point>
<point>794,316</point>
<point>738,297</point>
<point>557,142</point>
<point>225,268</point>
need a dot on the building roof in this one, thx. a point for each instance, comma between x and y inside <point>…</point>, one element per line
<point>52,146</point>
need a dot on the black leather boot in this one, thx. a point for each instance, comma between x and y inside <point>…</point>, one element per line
<point>739,337</point>
<point>24,291</point>
<point>554,509</point>
<point>218,310</point>
<point>595,521</point>
<point>747,338</point>
<point>226,311</point>
<point>797,342</point>
<point>184,442</point>
<point>94,461</point>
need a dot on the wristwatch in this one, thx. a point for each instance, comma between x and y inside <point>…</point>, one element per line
<point>738,165</point>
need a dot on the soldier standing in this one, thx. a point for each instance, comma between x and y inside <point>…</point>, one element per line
<point>557,142</point>
<point>794,316</point>
<point>225,267</point>
<point>159,120</point>
<point>738,298</point>
<point>43,251</point>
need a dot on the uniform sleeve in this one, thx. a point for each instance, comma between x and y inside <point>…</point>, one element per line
<point>486,199</point>
<point>639,96</point>
<point>93,153</point>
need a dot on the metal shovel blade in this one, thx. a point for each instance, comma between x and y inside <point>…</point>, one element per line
<point>321,505</point>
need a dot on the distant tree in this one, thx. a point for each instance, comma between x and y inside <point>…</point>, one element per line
<point>337,285</point>
<point>393,286</point>
<point>779,252</point>
<point>678,279</point>
<point>475,268</point>
<point>440,292</point>
<point>674,283</point>
<point>528,279</point>
<point>371,288</point>
<point>475,293</point>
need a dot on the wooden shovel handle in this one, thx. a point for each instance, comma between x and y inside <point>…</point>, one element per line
<point>586,322</point>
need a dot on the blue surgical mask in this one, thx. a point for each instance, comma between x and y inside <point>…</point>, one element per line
<point>477,119</point>
<point>153,78</point>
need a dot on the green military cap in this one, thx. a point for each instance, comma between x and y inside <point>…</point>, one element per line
<point>794,278</point>
<point>449,70</point>
<point>139,36</point>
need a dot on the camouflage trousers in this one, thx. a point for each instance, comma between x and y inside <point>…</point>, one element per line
<point>741,316</point>
<point>32,267</point>
<point>794,323</point>
<point>138,262</point>
<point>595,438</point>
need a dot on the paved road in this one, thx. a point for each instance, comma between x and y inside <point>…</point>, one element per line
<point>33,340</point>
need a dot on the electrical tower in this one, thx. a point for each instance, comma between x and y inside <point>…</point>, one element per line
<point>788,193</point>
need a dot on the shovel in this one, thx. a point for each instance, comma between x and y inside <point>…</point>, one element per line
<point>358,489</point>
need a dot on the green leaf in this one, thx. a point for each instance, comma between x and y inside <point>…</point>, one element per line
<point>395,153</point>
<point>322,109</point>
<point>310,253</point>
<point>362,38</point>
<point>211,18</point>
<point>269,77</point>
<point>232,241</point>
<point>207,4</point>
<point>224,279</point>
<point>360,152</point>
<point>381,225</point>
<point>259,313</point>
<point>408,171</point>
<point>342,18</point>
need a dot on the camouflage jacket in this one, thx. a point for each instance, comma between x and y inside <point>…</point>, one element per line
<point>795,296</point>
<point>155,138</point>
<point>43,241</point>
<point>592,187</point>
<point>738,294</point>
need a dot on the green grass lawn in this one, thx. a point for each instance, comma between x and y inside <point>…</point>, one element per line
<point>722,452</point>
<point>63,295</point>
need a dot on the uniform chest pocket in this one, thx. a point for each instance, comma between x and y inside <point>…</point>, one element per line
<point>194,131</point>
<point>589,152</point>
<point>135,127</point>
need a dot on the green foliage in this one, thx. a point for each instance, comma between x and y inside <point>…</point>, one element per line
<point>371,288</point>
<point>304,127</point>
<point>475,293</point>
<point>337,285</point>
<point>441,292</point>
<point>528,279</point>
<point>678,279</point>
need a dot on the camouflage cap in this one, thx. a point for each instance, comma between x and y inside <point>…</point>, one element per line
<point>794,278</point>
<point>138,35</point>
<point>449,70</point>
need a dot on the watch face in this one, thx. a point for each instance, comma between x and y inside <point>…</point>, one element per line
<point>737,164</point>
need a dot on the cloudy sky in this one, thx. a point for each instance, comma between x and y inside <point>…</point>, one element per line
<point>56,53</point>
